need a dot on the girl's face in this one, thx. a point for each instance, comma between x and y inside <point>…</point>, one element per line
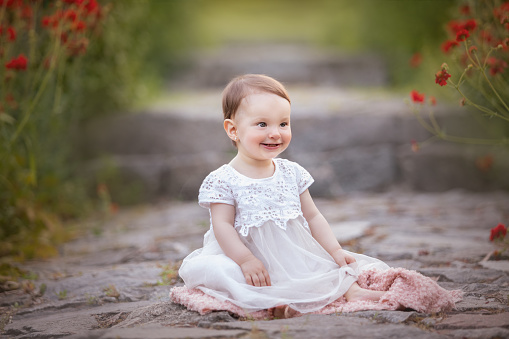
<point>262,126</point>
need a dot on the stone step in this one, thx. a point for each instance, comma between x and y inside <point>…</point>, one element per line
<point>348,140</point>
<point>288,62</point>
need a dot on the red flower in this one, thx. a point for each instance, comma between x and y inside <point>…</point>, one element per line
<point>462,35</point>
<point>27,12</point>
<point>496,65</point>
<point>441,77</point>
<point>46,21</point>
<point>498,232</point>
<point>102,189</point>
<point>433,100</point>
<point>79,26</point>
<point>415,146</point>
<point>455,26</point>
<point>64,38</point>
<point>465,10</point>
<point>470,25</point>
<point>92,6</point>
<point>417,97</point>
<point>486,36</point>
<point>416,60</point>
<point>502,12</point>
<point>19,63</point>
<point>70,15</point>
<point>12,33</point>
<point>9,98</point>
<point>78,47</point>
<point>446,46</point>
<point>484,163</point>
<point>11,3</point>
<point>77,2</point>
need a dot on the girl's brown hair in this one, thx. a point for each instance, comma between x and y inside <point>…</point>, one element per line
<point>243,85</point>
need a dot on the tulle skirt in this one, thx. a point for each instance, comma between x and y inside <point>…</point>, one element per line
<point>303,275</point>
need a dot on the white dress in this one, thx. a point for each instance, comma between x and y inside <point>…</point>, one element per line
<point>270,223</point>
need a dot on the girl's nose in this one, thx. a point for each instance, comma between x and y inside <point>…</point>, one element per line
<point>274,133</point>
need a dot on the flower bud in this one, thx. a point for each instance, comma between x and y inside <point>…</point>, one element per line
<point>415,146</point>
<point>445,66</point>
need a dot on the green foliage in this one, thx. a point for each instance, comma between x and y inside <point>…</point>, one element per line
<point>32,174</point>
<point>395,29</point>
<point>398,29</point>
<point>111,65</point>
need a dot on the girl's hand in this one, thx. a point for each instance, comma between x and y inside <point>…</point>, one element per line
<point>342,258</point>
<point>255,272</point>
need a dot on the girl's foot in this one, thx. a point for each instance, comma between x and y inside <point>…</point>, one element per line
<point>283,312</point>
<point>357,293</point>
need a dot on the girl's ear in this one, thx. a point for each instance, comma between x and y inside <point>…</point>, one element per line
<point>230,129</point>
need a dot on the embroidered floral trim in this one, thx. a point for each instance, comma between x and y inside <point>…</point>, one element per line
<point>257,201</point>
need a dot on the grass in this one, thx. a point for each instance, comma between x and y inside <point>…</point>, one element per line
<point>61,294</point>
<point>111,291</point>
<point>169,274</point>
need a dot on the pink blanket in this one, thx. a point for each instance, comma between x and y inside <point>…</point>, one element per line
<point>406,288</point>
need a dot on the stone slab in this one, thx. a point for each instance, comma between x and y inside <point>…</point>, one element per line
<point>155,331</point>
<point>59,323</point>
<point>485,333</point>
<point>500,265</point>
<point>349,230</point>
<point>323,326</point>
<point>466,320</point>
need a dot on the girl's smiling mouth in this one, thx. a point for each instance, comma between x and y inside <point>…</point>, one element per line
<point>271,145</point>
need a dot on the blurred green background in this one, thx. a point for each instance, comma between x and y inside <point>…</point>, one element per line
<point>144,44</point>
<point>395,29</point>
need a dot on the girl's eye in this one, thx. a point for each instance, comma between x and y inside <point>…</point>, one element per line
<point>262,124</point>
<point>284,124</point>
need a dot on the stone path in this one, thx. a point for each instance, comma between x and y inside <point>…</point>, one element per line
<point>115,284</point>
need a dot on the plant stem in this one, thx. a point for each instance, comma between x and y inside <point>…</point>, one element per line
<point>469,56</point>
<point>438,133</point>
<point>481,108</point>
<point>495,91</point>
<point>36,99</point>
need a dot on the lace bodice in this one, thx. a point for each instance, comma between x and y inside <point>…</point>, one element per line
<point>256,201</point>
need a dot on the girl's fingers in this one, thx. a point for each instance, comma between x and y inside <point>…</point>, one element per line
<point>249,280</point>
<point>267,278</point>
<point>261,277</point>
<point>264,278</point>
<point>256,281</point>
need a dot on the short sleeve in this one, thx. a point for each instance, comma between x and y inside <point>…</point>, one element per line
<point>215,189</point>
<point>304,179</point>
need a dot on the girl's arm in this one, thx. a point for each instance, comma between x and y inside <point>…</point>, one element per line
<point>223,217</point>
<point>321,231</point>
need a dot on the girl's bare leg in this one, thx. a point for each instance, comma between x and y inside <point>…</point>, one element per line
<point>357,293</point>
